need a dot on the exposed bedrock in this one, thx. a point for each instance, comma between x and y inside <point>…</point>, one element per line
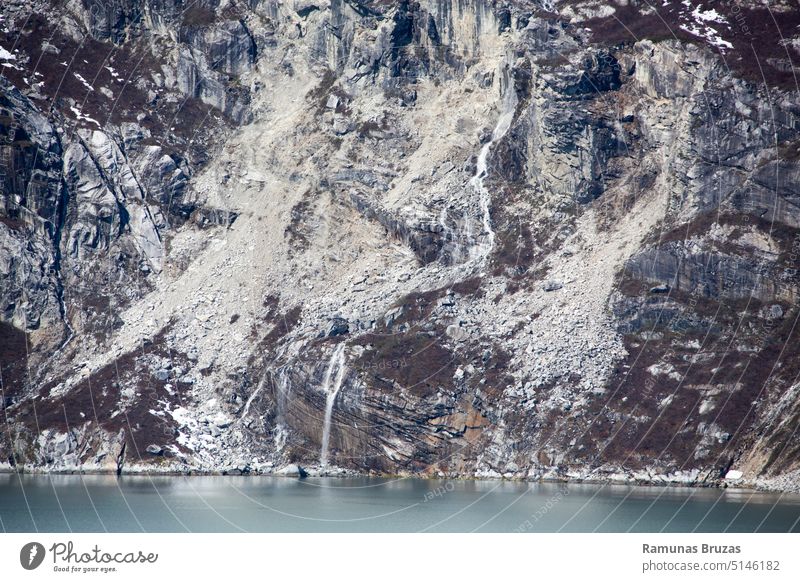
<point>468,238</point>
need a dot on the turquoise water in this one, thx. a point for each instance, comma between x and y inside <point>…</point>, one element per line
<point>95,503</point>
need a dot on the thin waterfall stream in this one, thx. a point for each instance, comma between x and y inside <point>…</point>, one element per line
<point>331,385</point>
<point>509,106</point>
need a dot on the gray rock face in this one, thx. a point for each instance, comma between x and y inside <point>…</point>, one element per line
<point>467,238</point>
<point>228,47</point>
<point>109,19</point>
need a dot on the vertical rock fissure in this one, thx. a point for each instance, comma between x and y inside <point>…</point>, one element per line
<point>58,231</point>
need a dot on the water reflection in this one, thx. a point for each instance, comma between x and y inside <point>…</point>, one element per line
<point>180,503</point>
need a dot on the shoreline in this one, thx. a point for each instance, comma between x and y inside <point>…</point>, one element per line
<point>140,471</point>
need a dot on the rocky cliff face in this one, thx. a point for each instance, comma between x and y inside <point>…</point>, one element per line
<point>475,238</point>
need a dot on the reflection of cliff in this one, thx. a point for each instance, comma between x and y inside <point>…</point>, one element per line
<point>203,205</point>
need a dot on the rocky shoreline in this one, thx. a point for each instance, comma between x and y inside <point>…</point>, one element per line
<point>297,472</point>
<point>487,238</point>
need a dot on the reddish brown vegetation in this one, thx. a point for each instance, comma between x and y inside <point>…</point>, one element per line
<point>97,400</point>
<point>755,33</point>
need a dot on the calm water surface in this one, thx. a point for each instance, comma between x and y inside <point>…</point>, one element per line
<point>63,503</point>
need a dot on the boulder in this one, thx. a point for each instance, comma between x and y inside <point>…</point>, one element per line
<point>155,450</point>
<point>552,285</point>
<point>338,326</point>
<point>292,470</point>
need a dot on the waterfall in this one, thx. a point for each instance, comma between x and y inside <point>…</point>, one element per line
<point>331,389</point>
<point>453,245</point>
<point>461,245</point>
<point>283,387</point>
<point>509,105</point>
<point>466,235</point>
<point>458,240</point>
<point>284,390</point>
<point>247,404</point>
<point>447,232</point>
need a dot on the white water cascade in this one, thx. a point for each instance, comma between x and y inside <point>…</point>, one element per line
<point>454,245</point>
<point>331,385</point>
<point>284,389</point>
<point>508,107</point>
<point>255,393</point>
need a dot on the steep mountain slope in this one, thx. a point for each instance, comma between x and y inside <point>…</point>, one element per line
<point>520,239</point>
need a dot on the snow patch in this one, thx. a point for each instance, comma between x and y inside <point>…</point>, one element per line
<point>81,116</point>
<point>707,406</point>
<point>6,56</point>
<point>699,25</point>
<point>664,369</point>
<point>708,16</point>
<point>84,82</point>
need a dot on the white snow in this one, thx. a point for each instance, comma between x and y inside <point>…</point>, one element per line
<point>83,117</point>
<point>84,81</point>
<point>588,11</point>
<point>698,24</point>
<point>664,369</point>
<point>7,56</point>
<point>708,33</point>
<point>733,475</point>
<point>707,406</point>
<point>708,16</point>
